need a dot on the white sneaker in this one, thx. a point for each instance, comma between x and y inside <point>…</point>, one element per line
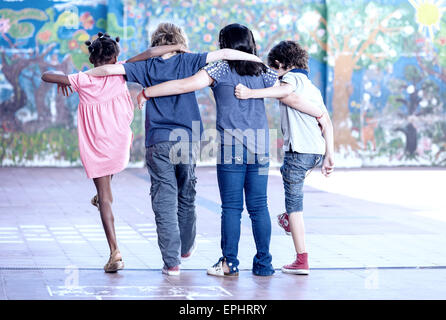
<point>217,270</point>
<point>172,271</point>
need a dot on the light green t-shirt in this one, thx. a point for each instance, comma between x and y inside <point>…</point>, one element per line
<point>301,131</point>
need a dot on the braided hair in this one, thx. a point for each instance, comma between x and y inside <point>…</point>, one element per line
<point>103,49</point>
<point>238,37</point>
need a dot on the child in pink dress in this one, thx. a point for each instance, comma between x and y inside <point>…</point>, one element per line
<point>104,116</point>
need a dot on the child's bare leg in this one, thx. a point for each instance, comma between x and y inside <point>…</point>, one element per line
<point>105,202</point>
<point>297,228</point>
<point>94,201</point>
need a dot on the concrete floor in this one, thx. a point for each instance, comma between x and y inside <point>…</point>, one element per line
<point>52,245</point>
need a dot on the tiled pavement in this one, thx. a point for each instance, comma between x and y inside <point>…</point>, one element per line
<point>52,245</point>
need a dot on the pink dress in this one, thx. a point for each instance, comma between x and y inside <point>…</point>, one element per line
<point>103,120</point>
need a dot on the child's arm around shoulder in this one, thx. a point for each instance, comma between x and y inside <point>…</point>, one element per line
<point>231,54</point>
<point>198,81</point>
<point>283,92</point>
<point>296,98</point>
<point>300,103</point>
<point>158,51</point>
<point>107,70</point>
<point>279,90</point>
<point>118,69</point>
<point>62,81</point>
<point>55,77</point>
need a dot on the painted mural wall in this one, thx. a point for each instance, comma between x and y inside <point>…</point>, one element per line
<point>380,65</point>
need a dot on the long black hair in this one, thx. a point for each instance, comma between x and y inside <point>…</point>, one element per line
<point>238,37</point>
<point>103,49</point>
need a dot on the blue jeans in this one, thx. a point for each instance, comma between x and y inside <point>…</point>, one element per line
<point>173,200</point>
<point>294,170</point>
<point>235,177</point>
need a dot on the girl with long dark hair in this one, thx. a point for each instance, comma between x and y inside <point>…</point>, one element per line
<point>243,160</point>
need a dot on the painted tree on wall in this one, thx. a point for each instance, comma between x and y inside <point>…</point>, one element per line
<point>13,30</point>
<point>413,105</point>
<point>358,35</point>
<point>32,109</point>
<point>431,57</point>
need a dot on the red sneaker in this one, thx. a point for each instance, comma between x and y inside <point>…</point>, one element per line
<point>186,256</point>
<point>284,223</point>
<point>172,271</point>
<point>300,266</point>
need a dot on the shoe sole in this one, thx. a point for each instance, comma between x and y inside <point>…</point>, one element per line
<point>296,271</point>
<point>223,275</point>
<point>278,222</point>
<point>263,275</point>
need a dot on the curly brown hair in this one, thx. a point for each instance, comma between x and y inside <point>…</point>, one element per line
<point>289,54</point>
<point>167,34</point>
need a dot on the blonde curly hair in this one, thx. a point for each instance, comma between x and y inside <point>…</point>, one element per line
<point>168,33</point>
